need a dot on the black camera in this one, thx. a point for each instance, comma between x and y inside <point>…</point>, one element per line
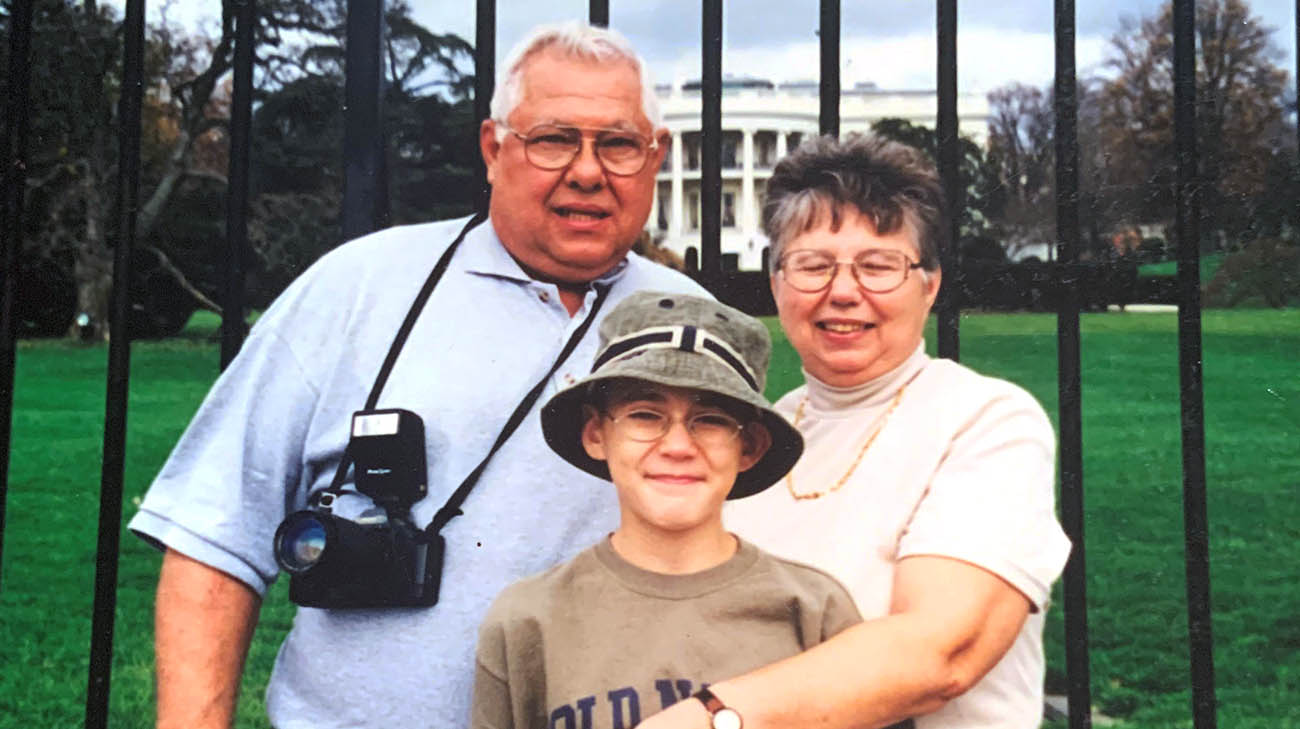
<point>379,559</point>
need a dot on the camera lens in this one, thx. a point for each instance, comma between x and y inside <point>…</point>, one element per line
<point>300,542</point>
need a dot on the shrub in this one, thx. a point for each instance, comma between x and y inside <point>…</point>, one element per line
<point>982,248</point>
<point>1153,249</point>
<point>1266,270</point>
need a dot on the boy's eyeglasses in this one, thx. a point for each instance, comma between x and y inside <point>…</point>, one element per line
<point>647,425</point>
<point>878,270</point>
<point>551,147</point>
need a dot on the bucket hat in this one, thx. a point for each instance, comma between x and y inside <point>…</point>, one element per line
<point>680,341</point>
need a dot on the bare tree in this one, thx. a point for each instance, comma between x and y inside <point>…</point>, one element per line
<point>1022,155</point>
<point>1240,92</point>
<point>1020,149</point>
<point>77,78</point>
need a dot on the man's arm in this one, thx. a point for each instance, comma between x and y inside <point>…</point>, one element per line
<point>203,622</point>
<point>950,623</point>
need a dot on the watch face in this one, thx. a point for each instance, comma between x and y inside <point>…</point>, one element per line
<point>726,719</point>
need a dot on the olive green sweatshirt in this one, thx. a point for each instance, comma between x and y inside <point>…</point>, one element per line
<point>598,643</point>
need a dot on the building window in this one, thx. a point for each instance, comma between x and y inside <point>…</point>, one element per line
<point>731,157</point>
<point>664,195</point>
<point>691,140</point>
<point>793,140</point>
<point>764,150</point>
<point>728,209</point>
<point>694,210</point>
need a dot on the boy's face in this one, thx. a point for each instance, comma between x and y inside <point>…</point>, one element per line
<point>678,481</point>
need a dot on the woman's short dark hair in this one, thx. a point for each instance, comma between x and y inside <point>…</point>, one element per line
<point>890,183</point>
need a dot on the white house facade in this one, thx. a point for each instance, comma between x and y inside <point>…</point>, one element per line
<point>760,122</point>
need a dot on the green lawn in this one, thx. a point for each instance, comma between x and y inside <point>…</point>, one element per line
<point>1210,263</point>
<point>1134,513</point>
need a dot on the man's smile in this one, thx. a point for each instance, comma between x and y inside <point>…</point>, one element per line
<point>580,212</point>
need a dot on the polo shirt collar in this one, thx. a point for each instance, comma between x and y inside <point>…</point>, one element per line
<point>484,253</point>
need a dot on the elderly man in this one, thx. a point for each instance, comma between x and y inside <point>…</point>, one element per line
<point>571,151</point>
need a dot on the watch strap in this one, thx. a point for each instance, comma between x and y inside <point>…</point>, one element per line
<point>710,701</point>
<point>721,716</point>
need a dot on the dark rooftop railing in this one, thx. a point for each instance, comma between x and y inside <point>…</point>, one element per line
<point>365,208</point>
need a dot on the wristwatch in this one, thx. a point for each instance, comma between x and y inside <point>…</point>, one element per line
<point>723,717</point>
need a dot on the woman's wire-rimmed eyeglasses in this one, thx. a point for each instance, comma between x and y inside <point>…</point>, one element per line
<point>878,270</point>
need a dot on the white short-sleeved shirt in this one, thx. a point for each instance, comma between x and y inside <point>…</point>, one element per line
<point>963,468</point>
<point>273,427</point>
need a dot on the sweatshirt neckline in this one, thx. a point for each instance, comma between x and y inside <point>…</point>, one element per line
<point>675,587</point>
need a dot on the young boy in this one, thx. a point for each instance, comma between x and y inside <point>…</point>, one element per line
<point>673,414</point>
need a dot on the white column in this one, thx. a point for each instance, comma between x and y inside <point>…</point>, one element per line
<point>675,212</point>
<point>748,205</point>
<point>780,143</point>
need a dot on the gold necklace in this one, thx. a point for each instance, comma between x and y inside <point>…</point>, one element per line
<point>879,426</point>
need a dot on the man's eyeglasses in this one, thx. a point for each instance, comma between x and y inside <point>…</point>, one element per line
<point>878,270</point>
<point>646,425</point>
<point>551,147</point>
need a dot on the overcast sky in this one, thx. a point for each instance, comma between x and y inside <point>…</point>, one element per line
<point>889,43</point>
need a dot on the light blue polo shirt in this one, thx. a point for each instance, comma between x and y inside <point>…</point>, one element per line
<point>273,427</point>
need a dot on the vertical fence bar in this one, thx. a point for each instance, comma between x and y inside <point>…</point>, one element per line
<point>364,185</point>
<point>598,13</point>
<point>829,119</point>
<point>485,49</point>
<point>949,303</point>
<point>1195,511</point>
<point>1069,370</point>
<point>241,120</point>
<point>711,144</point>
<point>119,367</point>
<point>14,176</point>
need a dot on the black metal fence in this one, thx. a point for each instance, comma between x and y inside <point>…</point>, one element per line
<point>363,210</point>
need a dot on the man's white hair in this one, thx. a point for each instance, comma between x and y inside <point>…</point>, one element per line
<point>575,40</point>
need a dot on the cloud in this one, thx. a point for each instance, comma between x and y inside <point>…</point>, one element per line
<point>986,59</point>
<point>997,42</point>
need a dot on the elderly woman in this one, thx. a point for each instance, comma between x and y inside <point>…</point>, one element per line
<point>925,487</point>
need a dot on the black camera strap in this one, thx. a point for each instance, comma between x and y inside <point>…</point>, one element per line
<point>451,509</point>
<point>399,341</point>
<point>417,306</point>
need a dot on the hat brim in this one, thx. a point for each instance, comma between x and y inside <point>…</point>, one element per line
<point>563,419</point>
